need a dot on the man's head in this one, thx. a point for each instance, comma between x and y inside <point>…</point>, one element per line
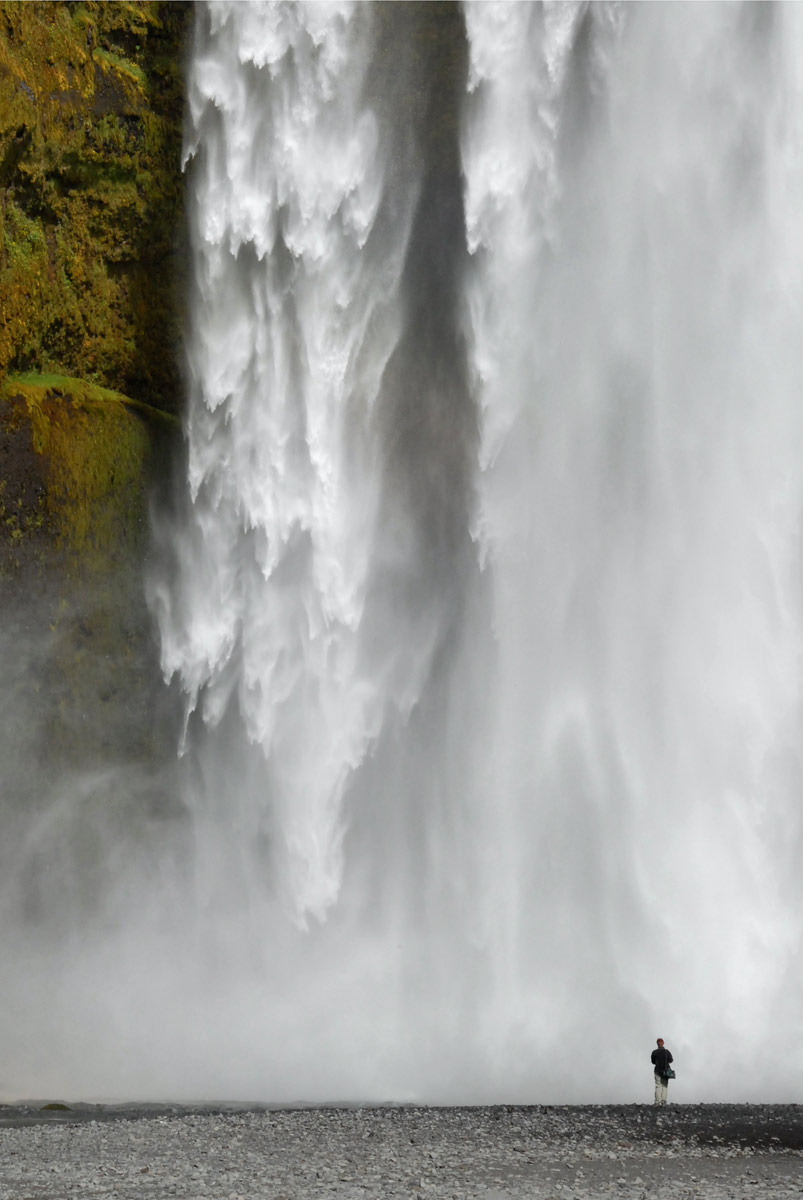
<point>660,1041</point>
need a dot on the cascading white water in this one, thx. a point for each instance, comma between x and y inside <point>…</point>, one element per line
<point>633,208</point>
<point>289,341</point>
<point>485,605</point>
<point>589,829</point>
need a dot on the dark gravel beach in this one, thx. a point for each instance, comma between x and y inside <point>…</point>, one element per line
<point>632,1151</point>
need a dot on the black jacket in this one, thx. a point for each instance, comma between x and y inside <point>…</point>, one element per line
<point>660,1059</point>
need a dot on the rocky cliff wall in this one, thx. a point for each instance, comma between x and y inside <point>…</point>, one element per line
<point>92,261</point>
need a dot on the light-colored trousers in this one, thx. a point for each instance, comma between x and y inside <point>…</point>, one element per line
<point>660,1089</point>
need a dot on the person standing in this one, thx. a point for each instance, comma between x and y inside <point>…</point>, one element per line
<point>661,1058</point>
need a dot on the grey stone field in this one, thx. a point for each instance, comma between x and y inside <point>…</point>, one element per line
<point>547,1153</point>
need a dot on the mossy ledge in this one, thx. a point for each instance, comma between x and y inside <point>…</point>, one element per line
<point>76,461</point>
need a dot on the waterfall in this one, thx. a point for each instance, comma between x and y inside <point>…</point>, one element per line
<point>482,601</point>
<point>492,565</point>
<point>288,346</point>
<point>633,190</point>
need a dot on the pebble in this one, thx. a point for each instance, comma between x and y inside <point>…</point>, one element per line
<point>503,1153</point>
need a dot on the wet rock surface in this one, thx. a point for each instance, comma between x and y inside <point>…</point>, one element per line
<point>498,1153</point>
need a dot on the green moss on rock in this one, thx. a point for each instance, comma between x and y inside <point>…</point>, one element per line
<point>91,194</point>
<point>76,459</point>
<point>92,259</point>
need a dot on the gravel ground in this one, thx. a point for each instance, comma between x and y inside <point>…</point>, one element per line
<point>503,1153</point>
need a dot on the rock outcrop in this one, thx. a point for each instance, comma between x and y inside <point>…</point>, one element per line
<point>92,264</point>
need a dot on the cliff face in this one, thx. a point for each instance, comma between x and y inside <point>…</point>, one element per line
<point>91,194</point>
<point>91,279</point>
<point>79,463</point>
